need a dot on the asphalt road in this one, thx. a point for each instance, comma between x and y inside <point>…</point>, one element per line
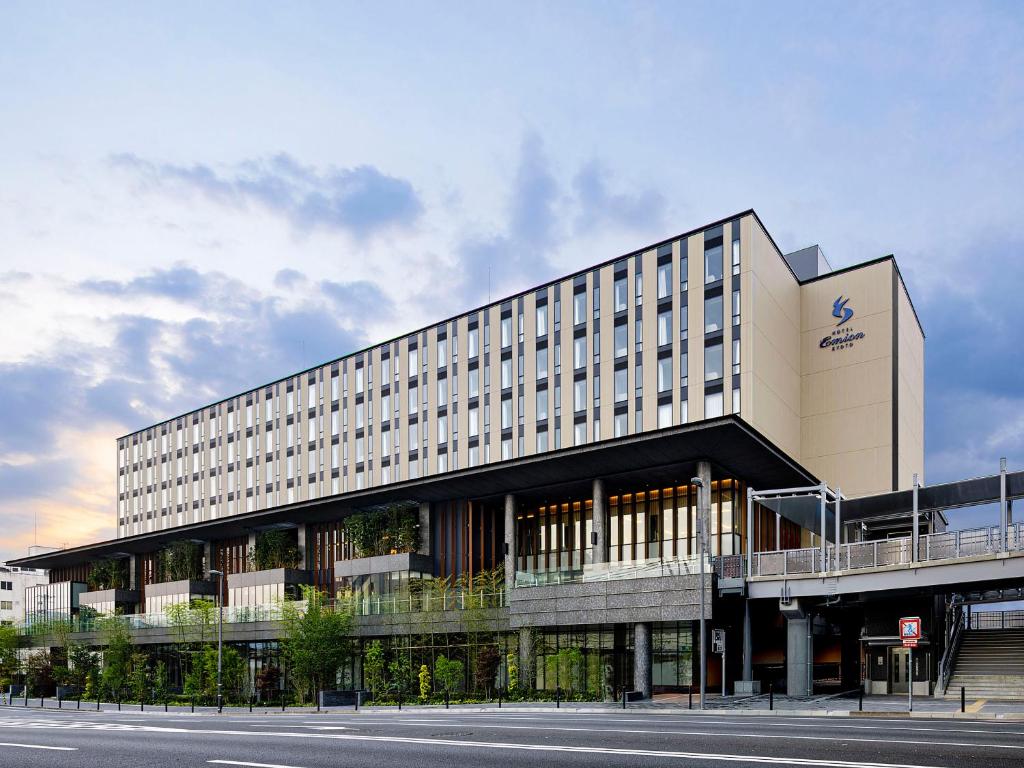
<point>438,739</point>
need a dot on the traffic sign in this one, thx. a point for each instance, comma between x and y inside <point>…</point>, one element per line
<point>910,631</point>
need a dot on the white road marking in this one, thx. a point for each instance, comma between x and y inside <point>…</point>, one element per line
<point>253,765</point>
<point>38,746</point>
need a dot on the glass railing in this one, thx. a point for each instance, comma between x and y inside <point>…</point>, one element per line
<point>592,572</point>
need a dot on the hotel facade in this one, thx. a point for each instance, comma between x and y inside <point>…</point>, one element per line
<point>566,438</point>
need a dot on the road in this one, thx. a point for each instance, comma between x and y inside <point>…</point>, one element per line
<point>31,738</point>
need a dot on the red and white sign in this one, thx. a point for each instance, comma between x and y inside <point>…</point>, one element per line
<point>910,631</point>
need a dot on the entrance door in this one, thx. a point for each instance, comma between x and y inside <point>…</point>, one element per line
<point>899,664</point>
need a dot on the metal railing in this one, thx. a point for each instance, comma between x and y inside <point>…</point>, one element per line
<point>956,633</point>
<point>997,620</point>
<point>879,553</point>
<point>592,572</point>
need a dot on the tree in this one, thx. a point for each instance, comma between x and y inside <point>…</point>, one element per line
<point>138,678</point>
<point>81,662</point>
<point>315,642</point>
<point>10,664</point>
<point>512,664</point>
<point>274,549</point>
<point>161,682</point>
<point>448,673</point>
<point>486,668</point>
<point>39,673</point>
<point>425,686</point>
<point>400,670</point>
<point>373,667</point>
<point>117,653</point>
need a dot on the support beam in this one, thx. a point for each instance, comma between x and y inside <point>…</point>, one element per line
<point>750,531</point>
<point>748,643</point>
<point>510,541</point>
<point>703,512</point>
<point>424,523</point>
<point>823,491</point>
<point>839,518</point>
<point>778,531</point>
<point>300,540</point>
<point>642,659</point>
<point>915,531</point>
<point>599,539</point>
<point>1003,516</point>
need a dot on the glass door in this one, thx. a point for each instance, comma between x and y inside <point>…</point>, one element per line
<point>899,665</point>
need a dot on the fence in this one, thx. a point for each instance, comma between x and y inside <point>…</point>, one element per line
<point>997,620</point>
<point>594,572</point>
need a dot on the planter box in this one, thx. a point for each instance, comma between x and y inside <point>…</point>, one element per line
<point>189,587</point>
<point>271,576</point>
<point>340,698</point>
<point>109,600</point>
<point>366,566</point>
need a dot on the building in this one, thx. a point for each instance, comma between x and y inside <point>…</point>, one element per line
<point>559,446</point>
<point>13,583</point>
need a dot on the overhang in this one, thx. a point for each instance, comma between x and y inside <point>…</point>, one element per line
<point>670,455</point>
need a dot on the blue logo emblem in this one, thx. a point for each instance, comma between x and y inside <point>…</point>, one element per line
<point>841,311</point>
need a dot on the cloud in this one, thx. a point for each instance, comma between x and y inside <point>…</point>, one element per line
<point>361,201</point>
<point>599,206</point>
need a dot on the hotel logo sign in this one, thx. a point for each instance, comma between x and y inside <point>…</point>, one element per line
<point>841,337</point>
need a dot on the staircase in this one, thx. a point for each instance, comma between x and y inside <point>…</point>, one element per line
<point>990,665</point>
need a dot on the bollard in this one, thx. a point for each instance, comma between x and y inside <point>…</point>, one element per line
<point>771,696</point>
<point>79,705</point>
<point>499,698</point>
<point>60,703</point>
<point>193,705</point>
<point>165,705</point>
<point>689,701</point>
<point>357,701</point>
<point>446,701</point>
<point>97,702</point>
<point>623,698</point>
<point>558,697</point>
<point>399,699</point>
<point>250,703</point>
<point>860,699</point>
<point>283,702</point>
<point>142,705</point>
<point>119,703</point>
<point>963,699</point>
<point>41,699</point>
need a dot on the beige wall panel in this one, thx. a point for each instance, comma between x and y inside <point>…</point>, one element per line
<point>911,393</point>
<point>861,427</point>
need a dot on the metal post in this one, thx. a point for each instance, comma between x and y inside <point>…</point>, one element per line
<point>963,699</point>
<point>839,528</point>
<point>778,531</point>
<point>748,643</point>
<point>1002,506</point>
<point>220,641</point>
<point>703,483</point>
<point>860,698</point>
<point>723,667</point>
<point>558,696</point>
<point>623,698</point>
<point>750,533</point>
<point>771,695</point>
<point>910,675</point>
<point>914,531</point>
<point>689,703</point>
<point>824,503</point>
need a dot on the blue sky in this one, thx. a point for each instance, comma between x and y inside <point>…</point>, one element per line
<point>196,198</point>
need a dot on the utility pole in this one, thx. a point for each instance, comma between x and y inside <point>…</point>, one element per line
<point>220,636</point>
<point>701,535</point>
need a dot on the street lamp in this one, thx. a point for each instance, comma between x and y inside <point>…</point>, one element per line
<point>220,635</point>
<point>701,490</point>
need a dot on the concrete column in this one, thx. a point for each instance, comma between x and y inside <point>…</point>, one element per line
<point>797,627</point>
<point>300,539</point>
<point>704,549</point>
<point>600,535</point>
<point>208,555</point>
<point>510,541</point>
<point>915,523</point>
<point>424,521</point>
<point>642,659</point>
<point>133,572</point>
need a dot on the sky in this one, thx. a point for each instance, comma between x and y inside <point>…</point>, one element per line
<point>197,198</point>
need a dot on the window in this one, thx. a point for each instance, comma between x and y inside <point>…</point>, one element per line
<point>664,280</point>
<point>665,374</point>
<point>542,441</point>
<point>442,462</point>
<point>580,433</point>
<point>385,407</point>
<point>542,320</point>
<point>360,447</point>
<point>579,352</point>
<point>474,382</point>
<point>621,424</point>
<point>682,412</point>
<point>579,395</point>
<point>621,345</point>
<point>414,440</point>
<point>664,328</point>
<point>579,308</point>
<point>639,283</point>
<point>442,429</point>
<point>385,370</point>
<point>664,415</point>
<point>359,415</point>
<point>713,263</point>
<point>474,422</point>
<point>713,362</point>
<point>413,400</point>
<point>619,294</point>
<point>414,361</point>
<point>474,342</point>
<point>442,392</point>
<point>712,405</point>
<point>712,314</point>
<point>474,455</point>
<point>542,363</point>
<point>735,355</point>
<point>684,265</point>
<point>506,450</point>
<point>506,332</point>
<point>542,405</point>
<point>736,256</point>
<point>506,374</point>
<point>506,413</point>
<point>385,445</point>
<point>639,336</point>
<point>736,307</point>
<point>638,379</point>
<point>621,385</point>
<point>736,400</point>
<point>442,353</point>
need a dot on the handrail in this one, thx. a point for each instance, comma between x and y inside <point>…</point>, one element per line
<point>952,648</point>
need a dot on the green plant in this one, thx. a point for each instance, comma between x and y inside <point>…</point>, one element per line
<point>39,671</point>
<point>10,664</point>
<point>373,667</point>
<point>108,573</point>
<point>138,678</point>
<point>382,532</point>
<point>315,642</point>
<point>449,673</point>
<point>512,664</point>
<point>566,667</point>
<point>274,549</point>
<point>425,686</point>
<point>486,668</point>
<point>117,652</point>
<point>161,682</point>
<point>182,560</point>
<point>400,671</point>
